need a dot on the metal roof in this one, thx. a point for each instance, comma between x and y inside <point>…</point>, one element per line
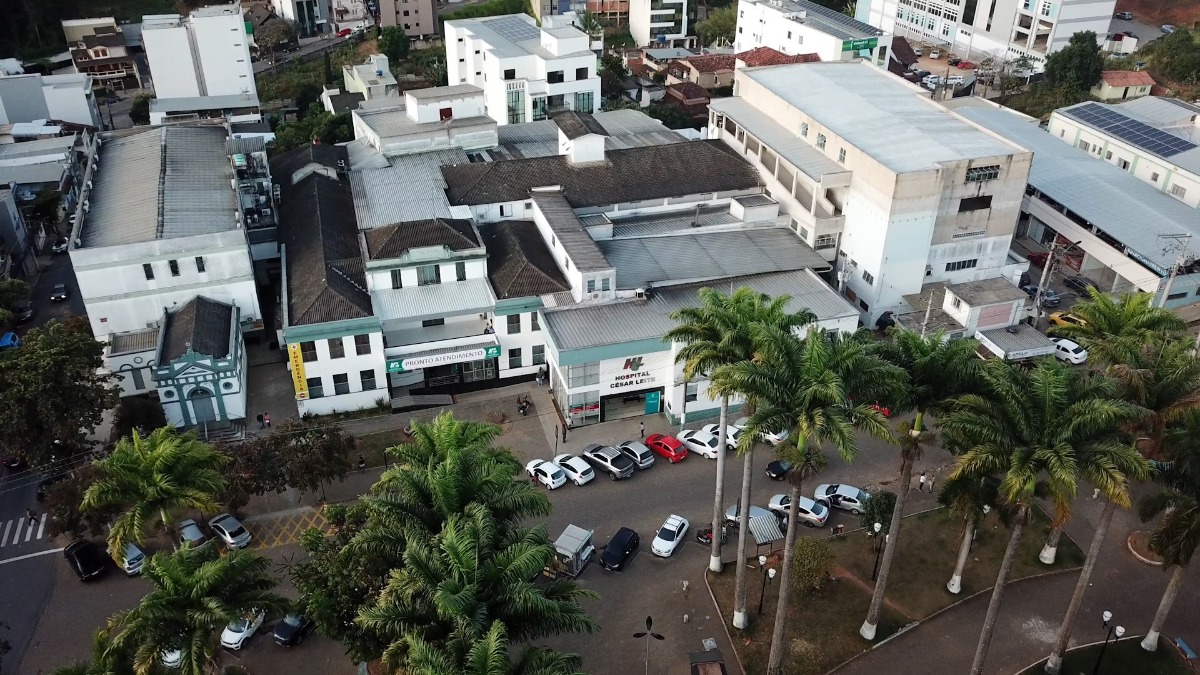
<point>432,301</point>
<point>653,224</point>
<point>878,113</point>
<point>626,129</point>
<point>394,121</point>
<point>44,172</point>
<point>797,151</point>
<point>189,103</point>
<point>824,19</point>
<point>1134,213</point>
<point>412,188</point>
<point>987,291</point>
<point>57,147</point>
<point>596,324</point>
<point>1019,338</point>
<point>585,255</point>
<point>690,257</point>
<point>765,529</point>
<point>433,93</point>
<point>133,342</point>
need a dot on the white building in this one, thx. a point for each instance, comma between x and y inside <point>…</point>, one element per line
<point>525,72</point>
<point>311,16</point>
<point>205,54</point>
<point>1155,139</point>
<point>63,98</point>
<point>664,23</point>
<point>899,191</point>
<point>436,118</point>
<point>803,27</point>
<point>1005,28</point>
<point>373,79</point>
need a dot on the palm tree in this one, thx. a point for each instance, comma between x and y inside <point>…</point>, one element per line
<point>937,369</point>
<point>454,586</point>
<point>1027,424</point>
<point>1162,376</point>
<point>105,659</point>
<point>591,24</point>
<point>809,387</point>
<point>972,499</point>
<point>195,593</point>
<point>150,477</point>
<point>714,334</point>
<point>1117,327</point>
<point>489,656</point>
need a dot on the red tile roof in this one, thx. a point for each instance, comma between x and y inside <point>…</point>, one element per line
<point>765,56</point>
<point>689,91</point>
<point>1127,78</point>
<point>712,63</point>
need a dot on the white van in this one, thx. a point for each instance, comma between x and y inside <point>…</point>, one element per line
<point>954,80</point>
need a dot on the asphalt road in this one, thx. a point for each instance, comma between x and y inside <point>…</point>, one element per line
<point>58,271</point>
<point>1145,32</point>
<point>25,582</point>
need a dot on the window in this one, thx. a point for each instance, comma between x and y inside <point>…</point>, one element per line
<point>691,391</point>
<point>1176,296</point>
<point>979,174</point>
<point>148,270</point>
<point>396,282</point>
<point>825,241</point>
<point>800,230</point>
<point>514,324</point>
<point>581,73</point>
<point>460,271</point>
<point>308,351</point>
<point>863,303</point>
<point>841,155</point>
<point>605,284</point>
<point>578,376</point>
<point>428,275</point>
<point>1085,146</point>
<point>789,35</point>
<point>367,378</point>
<point>583,102</point>
<point>506,210</point>
<point>429,323</point>
<point>362,345</point>
<point>821,141</point>
<point>1154,177</point>
<point>1108,155</point>
<point>514,357</point>
<point>869,278</point>
<point>1123,163</point>
<point>516,106</point>
<point>1178,191</point>
<point>804,129</point>
<point>199,263</point>
<point>337,348</point>
<point>510,74</point>
<point>534,323</point>
<point>554,77</point>
<point>591,285</point>
<point>961,265</point>
<point>956,303</point>
<point>315,390</point>
<point>341,384</point>
<point>539,355</point>
<point>974,204</point>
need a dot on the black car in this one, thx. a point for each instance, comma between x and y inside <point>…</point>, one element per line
<point>292,630</point>
<point>59,293</point>
<point>619,548</point>
<point>24,312</point>
<point>1079,283</point>
<point>778,470</point>
<point>86,559</point>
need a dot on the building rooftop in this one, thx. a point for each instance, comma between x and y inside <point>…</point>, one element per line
<point>903,51</point>
<point>576,124</point>
<point>394,121</point>
<point>190,103</point>
<point>987,291</point>
<point>412,188</point>
<point>630,175</point>
<point>787,143</point>
<point>133,342</point>
<point>585,255</point>
<point>1166,128</point>
<point>1019,338</point>
<point>689,257</point>
<point>161,183</point>
<point>598,324</point>
<point>417,303</point>
<point>519,264</point>
<point>1134,213</point>
<point>68,81</point>
<point>824,19</point>
<point>766,56</point>
<point>450,91</point>
<point>515,35</point>
<point>370,76</point>
<point>712,63</point>
<point>1127,78</point>
<point>324,268</point>
<point>667,53</point>
<point>393,241</point>
<point>623,128</point>
<point>12,154</point>
<point>295,164</point>
<point>879,114</point>
<point>346,102</point>
<point>202,326</point>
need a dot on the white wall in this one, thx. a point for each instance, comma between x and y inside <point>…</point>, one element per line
<point>525,340</point>
<point>380,279</point>
<point>172,63</point>
<point>425,110</point>
<point>224,50</point>
<point>351,365</point>
<point>71,103</point>
<point>642,17</point>
<point>760,24</point>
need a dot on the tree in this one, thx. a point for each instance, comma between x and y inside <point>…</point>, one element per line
<point>12,291</point>
<point>150,477</point>
<point>1026,424</point>
<point>51,388</point>
<point>137,412</point>
<point>1076,67</point>
<point>139,109</point>
<point>880,508</point>
<point>1115,328</point>
<point>1177,55</point>
<point>275,33</point>
<point>1163,377</point>
<point>590,23</point>
<point>317,124</point>
<point>719,28</point>
<point>814,562</point>
<point>394,44</point>
<point>308,452</point>
<point>488,655</point>
<point>972,498</point>
<point>195,592</point>
<point>106,660</point>
<point>64,499</point>
<point>672,117</point>
<point>613,74</point>
<point>819,388</point>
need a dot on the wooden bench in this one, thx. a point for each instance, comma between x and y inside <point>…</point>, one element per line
<point>1186,652</point>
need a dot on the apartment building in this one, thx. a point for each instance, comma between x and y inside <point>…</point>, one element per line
<point>312,17</point>
<point>661,23</point>
<point>206,53</point>
<point>418,18</point>
<point>526,72</point>
<point>803,27</point>
<point>98,49</point>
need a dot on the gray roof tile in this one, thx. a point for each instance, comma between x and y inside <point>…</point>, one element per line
<point>519,264</point>
<point>577,124</point>
<point>202,326</point>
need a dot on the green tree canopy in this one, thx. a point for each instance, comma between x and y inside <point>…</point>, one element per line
<point>1076,66</point>
<point>139,109</point>
<point>394,44</point>
<point>718,29</point>
<point>316,124</point>
<point>12,292</point>
<point>1177,55</point>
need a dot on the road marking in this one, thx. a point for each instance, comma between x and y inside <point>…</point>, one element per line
<point>29,533</point>
<point>17,532</point>
<point>7,527</point>
<point>31,555</point>
<point>41,526</point>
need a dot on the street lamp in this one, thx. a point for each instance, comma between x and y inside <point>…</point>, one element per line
<point>768,574</point>
<point>1112,630</point>
<point>878,549</point>
<point>646,635</point>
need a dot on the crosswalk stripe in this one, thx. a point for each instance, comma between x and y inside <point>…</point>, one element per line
<point>41,526</point>
<point>17,530</point>
<point>29,532</point>
<point>18,526</point>
<point>7,527</point>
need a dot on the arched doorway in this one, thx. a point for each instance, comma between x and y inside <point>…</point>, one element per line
<point>202,405</point>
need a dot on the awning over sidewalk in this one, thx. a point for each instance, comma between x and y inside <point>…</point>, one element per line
<point>765,529</point>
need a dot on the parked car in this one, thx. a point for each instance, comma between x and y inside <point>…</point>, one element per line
<point>230,531</point>
<point>921,74</point>
<point>966,65</point>
<point>547,473</point>
<point>638,453</point>
<point>669,536</point>
<point>778,469</point>
<point>1050,298</point>
<point>59,294</point>
<point>619,549</point>
<point>86,559</point>
<point>131,559</point>
<point>171,658</point>
<point>292,630</point>
<point>1079,283</point>
<point>667,447</point>
<point>733,434</point>
<point>919,51</point>
<point>1037,259</point>
<point>24,311</point>
<point>731,514</point>
<point>954,59</point>
<point>13,463</point>
<point>577,470</point>
<point>608,459</point>
<point>61,245</point>
<point>935,54</point>
<point>773,438</point>
<point>237,632</point>
<point>1125,16</point>
<point>1069,351</point>
<point>1167,28</point>
<point>845,497</point>
<point>345,32</point>
<point>954,80</point>
<point>1129,33</point>
<point>699,441</point>
<point>1066,319</point>
<point>931,80</point>
<point>810,513</point>
<point>189,532</point>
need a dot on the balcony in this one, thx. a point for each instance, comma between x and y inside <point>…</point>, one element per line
<point>453,334</point>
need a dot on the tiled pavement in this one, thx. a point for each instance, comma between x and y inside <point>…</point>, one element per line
<point>285,527</point>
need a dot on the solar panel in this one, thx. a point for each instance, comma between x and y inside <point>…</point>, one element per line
<point>1138,133</point>
<point>513,28</point>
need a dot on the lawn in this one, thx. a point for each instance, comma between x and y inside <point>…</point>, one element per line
<point>371,446</point>
<point>826,623</point>
<point>1124,656</point>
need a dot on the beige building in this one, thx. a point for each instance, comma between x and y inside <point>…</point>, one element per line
<point>1122,85</point>
<point>418,18</point>
<point>98,49</point>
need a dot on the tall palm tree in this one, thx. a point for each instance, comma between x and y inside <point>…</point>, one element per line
<point>1162,376</point>
<point>1117,327</point>
<point>809,386</point>
<point>195,592</point>
<point>149,478</point>
<point>936,369</point>
<point>971,498</point>
<point>105,659</point>
<point>488,655</point>
<point>454,586</point>
<point>717,333</point>
<point>1028,424</point>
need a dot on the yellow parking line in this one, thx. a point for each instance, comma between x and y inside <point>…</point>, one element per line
<point>284,530</point>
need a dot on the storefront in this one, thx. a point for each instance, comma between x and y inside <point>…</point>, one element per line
<point>461,365</point>
<point>614,388</point>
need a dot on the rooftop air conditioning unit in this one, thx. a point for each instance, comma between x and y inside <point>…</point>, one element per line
<point>640,293</point>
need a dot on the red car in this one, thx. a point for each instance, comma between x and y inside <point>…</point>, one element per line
<point>966,65</point>
<point>667,446</point>
<point>344,32</point>
<point>883,409</point>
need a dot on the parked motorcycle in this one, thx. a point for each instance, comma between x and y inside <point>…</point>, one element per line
<point>704,535</point>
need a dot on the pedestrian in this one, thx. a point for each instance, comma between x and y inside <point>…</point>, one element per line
<point>931,481</point>
<point>267,419</point>
<point>260,421</point>
<point>32,517</point>
<point>921,487</point>
<point>539,377</point>
<point>362,464</point>
<point>642,427</point>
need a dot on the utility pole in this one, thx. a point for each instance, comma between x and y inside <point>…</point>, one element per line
<point>928,311</point>
<point>1180,261</point>
<point>1051,261</point>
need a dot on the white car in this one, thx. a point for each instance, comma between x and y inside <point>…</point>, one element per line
<point>669,536</point>
<point>547,473</point>
<point>733,433</point>
<point>846,497</point>
<point>773,438</point>
<point>230,531</point>
<point>237,632</point>
<point>935,54</point>
<point>1069,351</point>
<point>699,441</point>
<point>954,79</point>
<point>171,658</point>
<point>577,470</point>
<point>809,512</point>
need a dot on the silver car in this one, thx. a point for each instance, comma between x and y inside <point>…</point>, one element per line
<point>190,533</point>
<point>809,512</point>
<point>230,531</point>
